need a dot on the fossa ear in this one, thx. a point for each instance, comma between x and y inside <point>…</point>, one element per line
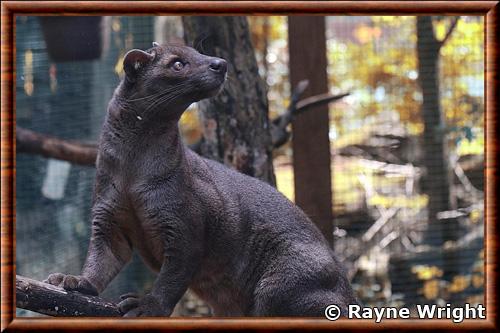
<point>134,60</point>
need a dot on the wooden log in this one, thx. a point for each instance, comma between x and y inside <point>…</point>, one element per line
<point>35,143</point>
<point>75,152</point>
<point>55,301</point>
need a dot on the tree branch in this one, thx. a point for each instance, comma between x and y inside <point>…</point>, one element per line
<point>449,32</point>
<point>310,102</point>
<point>30,142</point>
<point>75,152</point>
<point>55,301</point>
<point>35,143</point>
<point>279,132</point>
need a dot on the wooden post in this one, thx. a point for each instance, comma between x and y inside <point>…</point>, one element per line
<point>311,144</point>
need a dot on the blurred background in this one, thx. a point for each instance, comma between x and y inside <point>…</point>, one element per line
<point>392,173</point>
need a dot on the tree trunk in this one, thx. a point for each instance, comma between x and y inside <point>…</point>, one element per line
<point>235,123</point>
<point>437,180</point>
<point>311,143</point>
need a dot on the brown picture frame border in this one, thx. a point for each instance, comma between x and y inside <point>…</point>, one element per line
<point>9,9</point>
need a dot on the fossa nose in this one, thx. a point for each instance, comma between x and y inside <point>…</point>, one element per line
<point>218,65</point>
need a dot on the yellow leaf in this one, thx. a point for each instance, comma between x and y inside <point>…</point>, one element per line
<point>477,280</point>
<point>119,65</point>
<point>430,290</point>
<point>365,34</point>
<point>475,215</point>
<point>459,283</point>
<point>425,272</point>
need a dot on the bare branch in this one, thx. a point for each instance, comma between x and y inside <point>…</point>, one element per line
<point>35,143</point>
<point>279,132</point>
<point>449,32</point>
<point>310,102</point>
<point>294,100</point>
<point>55,301</point>
<point>31,142</point>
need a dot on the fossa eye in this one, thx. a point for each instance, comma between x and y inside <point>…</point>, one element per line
<point>177,66</point>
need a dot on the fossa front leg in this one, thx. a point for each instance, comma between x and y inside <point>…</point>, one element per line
<point>181,238</point>
<point>109,250</point>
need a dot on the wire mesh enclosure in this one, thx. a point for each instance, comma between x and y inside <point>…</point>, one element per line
<point>406,146</point>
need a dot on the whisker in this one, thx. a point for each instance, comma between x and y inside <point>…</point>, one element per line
<point>164,100</point>
<point>152,95</point>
